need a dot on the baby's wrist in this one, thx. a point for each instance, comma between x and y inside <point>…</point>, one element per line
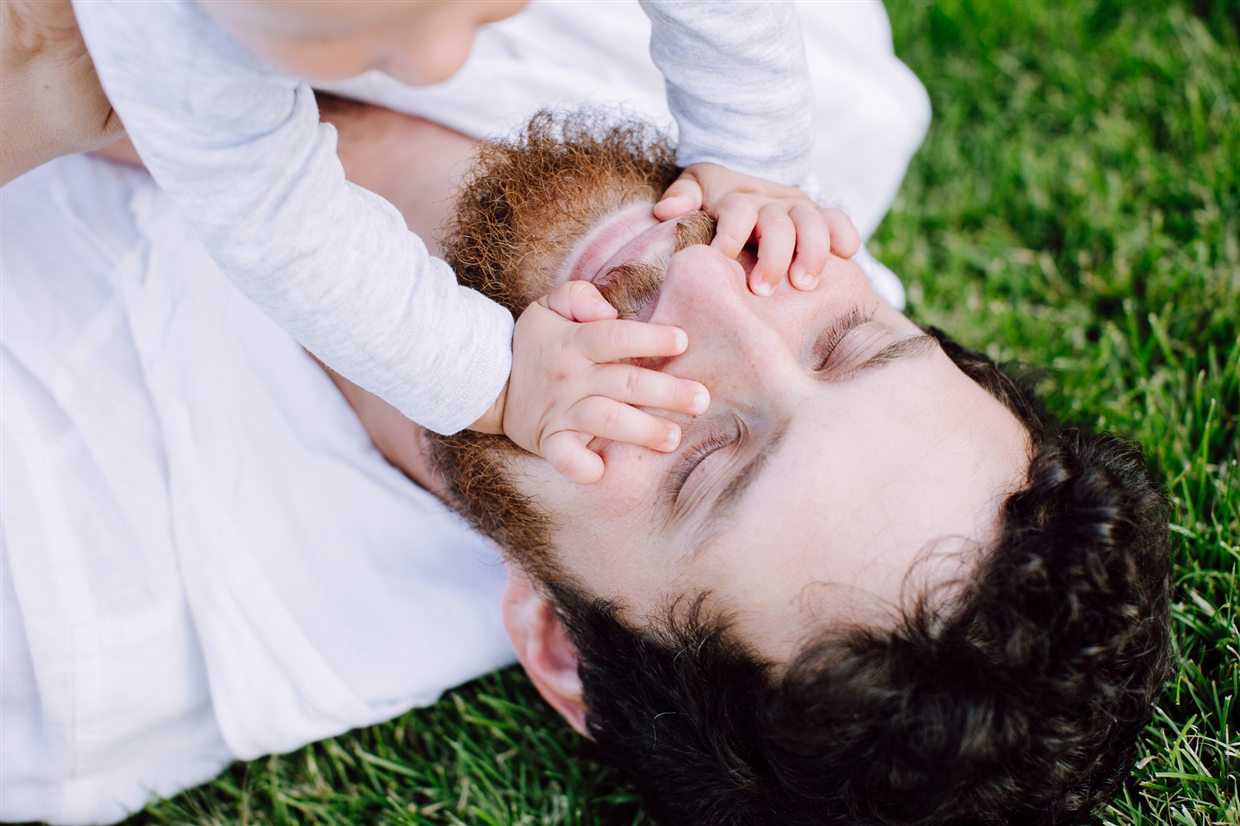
<point>492,421</point>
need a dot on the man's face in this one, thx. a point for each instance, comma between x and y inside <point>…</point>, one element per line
<point>843,459</point>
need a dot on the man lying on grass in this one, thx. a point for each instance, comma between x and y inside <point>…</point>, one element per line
<point>876,583</point>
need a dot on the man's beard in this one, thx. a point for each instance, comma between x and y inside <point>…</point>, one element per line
<point>523,206</point>
<point>526,203</point>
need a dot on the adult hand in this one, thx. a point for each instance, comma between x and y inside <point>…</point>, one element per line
<point>51,103</point>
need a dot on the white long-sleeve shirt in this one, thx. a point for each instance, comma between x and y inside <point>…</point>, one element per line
<point>237,144</point>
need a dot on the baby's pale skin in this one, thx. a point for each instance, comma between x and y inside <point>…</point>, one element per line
<point>415,41</point>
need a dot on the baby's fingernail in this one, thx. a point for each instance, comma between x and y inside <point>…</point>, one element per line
<point>805,281</point>
<point>763,289</point>
<point>682,341</point>
<point>701,401</point>
<point>673,439</point>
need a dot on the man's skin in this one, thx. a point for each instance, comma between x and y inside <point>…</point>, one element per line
<point>828,462</point>
<point>872,466</point>
<point>872,476</point>
<point>51,103</point>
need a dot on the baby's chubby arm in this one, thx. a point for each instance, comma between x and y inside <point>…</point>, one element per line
<point>567,385</point>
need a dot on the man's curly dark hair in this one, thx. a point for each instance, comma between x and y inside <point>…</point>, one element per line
<point>1018,700</point>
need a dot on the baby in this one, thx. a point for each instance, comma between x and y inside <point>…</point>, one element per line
<point>215,96</point>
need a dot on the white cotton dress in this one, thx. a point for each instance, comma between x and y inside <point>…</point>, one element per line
<point>202,556</point>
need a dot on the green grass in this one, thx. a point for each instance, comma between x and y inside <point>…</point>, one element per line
<point>1076,206</point>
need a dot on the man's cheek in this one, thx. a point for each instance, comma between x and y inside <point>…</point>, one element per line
<point>630,482</point>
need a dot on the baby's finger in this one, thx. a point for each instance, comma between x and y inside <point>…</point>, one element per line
<point>813,246</point>
<point>684,195</point>
<point>618,422</point>
<point>845,240</point>
<point>604,341</point>
<point>736,217</point>
<point>649,388</point>
<point>777,238</point>
<point>579,301</point>
<point>567,452</point>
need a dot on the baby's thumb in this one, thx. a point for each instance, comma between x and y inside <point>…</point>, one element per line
<point>684,195</point>
<point>568,454</point>
<point>580,301</point>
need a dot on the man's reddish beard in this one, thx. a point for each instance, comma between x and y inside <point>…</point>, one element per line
<point>523,206</point>
<point>525,203</point>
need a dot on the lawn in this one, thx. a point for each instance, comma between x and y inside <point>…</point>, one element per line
<point>1076,206</point>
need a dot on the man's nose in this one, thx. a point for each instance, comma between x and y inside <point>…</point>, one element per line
<point>704,284</point>
<point>707,295</point>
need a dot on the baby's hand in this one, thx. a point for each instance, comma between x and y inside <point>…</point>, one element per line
<point>780,219</point>
<point>567,388</point>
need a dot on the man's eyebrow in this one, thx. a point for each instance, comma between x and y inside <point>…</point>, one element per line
<point>906,348</point>
<point>744,478</point>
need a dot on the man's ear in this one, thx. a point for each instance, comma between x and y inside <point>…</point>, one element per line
<point>543,648</point>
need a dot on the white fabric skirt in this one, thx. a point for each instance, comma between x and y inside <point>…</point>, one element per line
<point>202,556</point>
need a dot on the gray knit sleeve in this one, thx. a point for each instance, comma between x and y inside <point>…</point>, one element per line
<point>238,146</point>
<point>737,83</point>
